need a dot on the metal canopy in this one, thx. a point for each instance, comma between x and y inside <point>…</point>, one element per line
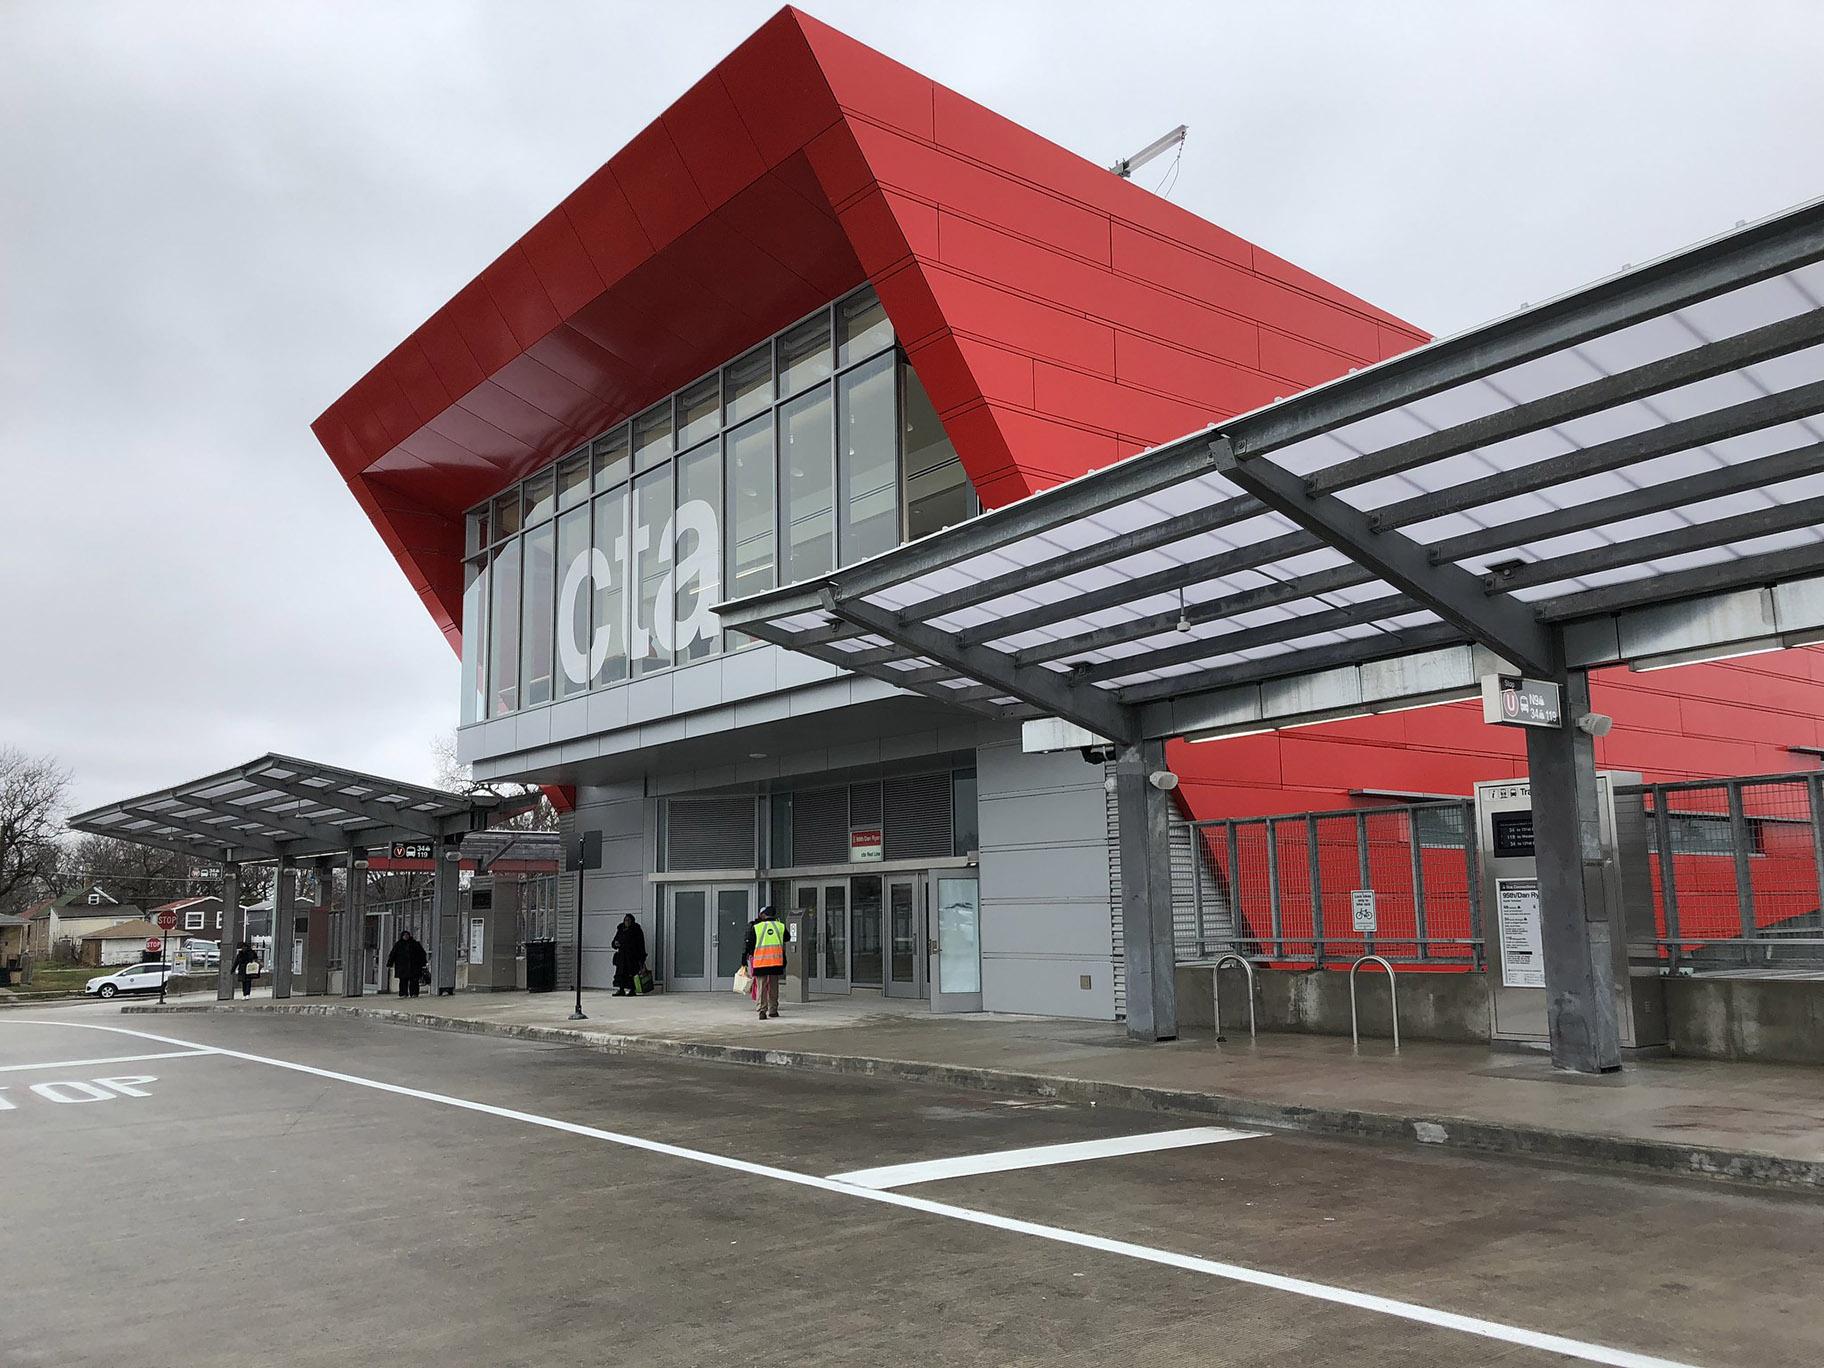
<point>1631,470</point>
<point>278,806</point>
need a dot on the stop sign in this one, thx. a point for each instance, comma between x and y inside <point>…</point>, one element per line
<point>152,946</point>
<point>167,921</point>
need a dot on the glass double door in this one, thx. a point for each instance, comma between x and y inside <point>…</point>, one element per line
<point>866,931</point>
<point>706,929</point>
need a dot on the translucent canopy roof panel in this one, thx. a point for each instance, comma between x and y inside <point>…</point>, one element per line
<point>1650,439</point>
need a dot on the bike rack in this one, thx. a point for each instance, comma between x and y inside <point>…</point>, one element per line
<point>1393,999</point>
<point>1216,992</point>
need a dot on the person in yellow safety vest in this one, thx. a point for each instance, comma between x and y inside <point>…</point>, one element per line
<point>764,955</point>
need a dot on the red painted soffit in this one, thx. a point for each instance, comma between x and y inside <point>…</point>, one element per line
<point>1059,317</point>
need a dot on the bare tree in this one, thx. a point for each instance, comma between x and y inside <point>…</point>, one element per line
<point>455,777</point>
<point>34,792</point>
<point>148,876</point>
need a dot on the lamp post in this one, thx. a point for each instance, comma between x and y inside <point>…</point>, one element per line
<point>585,854</point>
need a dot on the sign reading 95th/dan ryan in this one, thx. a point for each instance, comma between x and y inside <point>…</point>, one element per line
<point>1515,701</point>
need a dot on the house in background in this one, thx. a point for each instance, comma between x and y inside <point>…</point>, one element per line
<point>72,915</point>
<point>199,916</point>
<point>13,939</point>
<point>125,943</point>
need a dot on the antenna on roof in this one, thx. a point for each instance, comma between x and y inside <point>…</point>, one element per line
<point>1128,165</point>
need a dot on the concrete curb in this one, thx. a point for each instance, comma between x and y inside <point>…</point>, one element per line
<point>1742,1167</point>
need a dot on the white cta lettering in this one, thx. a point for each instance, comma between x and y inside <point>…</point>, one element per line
<point>691,544</point>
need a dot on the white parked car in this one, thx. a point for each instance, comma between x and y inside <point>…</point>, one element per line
<point>135,978</point>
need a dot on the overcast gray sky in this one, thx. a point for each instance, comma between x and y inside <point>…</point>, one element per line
<point>216,216</point>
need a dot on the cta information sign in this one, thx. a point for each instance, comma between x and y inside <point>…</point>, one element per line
<point>1515,701</point>
<point>1522,950</point>
<point>864,845</point>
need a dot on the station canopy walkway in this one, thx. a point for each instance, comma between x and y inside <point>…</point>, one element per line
<point>1630,474</point>
<point>282,810</point>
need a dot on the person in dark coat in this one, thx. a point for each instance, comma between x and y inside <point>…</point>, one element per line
<point>407,959</point>
<point>629,945</point>
<point>245,966</point>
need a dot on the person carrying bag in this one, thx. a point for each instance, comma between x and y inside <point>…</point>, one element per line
<point>763,954</point>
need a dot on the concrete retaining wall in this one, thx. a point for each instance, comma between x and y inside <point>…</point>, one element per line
<point>1449,1007</point>
<point>1775,1020</point>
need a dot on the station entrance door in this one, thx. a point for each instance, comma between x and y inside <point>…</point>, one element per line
<point>705,929</point>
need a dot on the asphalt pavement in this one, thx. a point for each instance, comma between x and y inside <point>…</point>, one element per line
<point>260,1188</point>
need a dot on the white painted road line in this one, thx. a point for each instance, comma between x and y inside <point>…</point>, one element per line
<point>1253,1277</point>
<point>1038,1156</point>
<point>108,1059</point>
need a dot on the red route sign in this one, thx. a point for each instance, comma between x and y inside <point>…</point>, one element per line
<point>167,921</point>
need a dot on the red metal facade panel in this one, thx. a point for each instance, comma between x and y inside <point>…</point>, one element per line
<point>1059,317</point>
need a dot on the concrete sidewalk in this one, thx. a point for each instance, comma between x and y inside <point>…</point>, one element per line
<point>1760,1124</point>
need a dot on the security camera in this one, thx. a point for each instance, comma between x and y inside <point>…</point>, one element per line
<point>1163,780</point>
<point>1110,784</point>
<point>1595,724</point>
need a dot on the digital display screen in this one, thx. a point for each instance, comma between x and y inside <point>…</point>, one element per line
<point>1513,832</point>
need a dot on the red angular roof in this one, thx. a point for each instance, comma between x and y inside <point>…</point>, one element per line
<point>1060,318</point>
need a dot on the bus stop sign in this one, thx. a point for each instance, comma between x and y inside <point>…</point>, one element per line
<point>1515,701</point>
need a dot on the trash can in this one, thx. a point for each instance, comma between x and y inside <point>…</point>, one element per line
<point>541,966</point>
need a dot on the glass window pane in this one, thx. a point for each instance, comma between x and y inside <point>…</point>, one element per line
<point>959,956</point>
<point>697,550</point>
<point>902,913</point>
<point>541,497</point>
<point>577,570</point>
<point>506,514</point>
<point>699,411</point>
<point>867,460</point>
<point>477,534</point>
<point>536,626</point>
<point>731,930</point>
<point>861,327</point>
<point>779,820</point>
<point>937,489</point>
<point>804,354</point>
<point>865,957</point>
<point>835,931</point>
<point>610,458</point>
<point>750,513</point>
<point>650,645</point>
<point>652,436</point>
<point>503,637</point>
<point>965,837</point>
<point>806,486</point>
<point>475,641</point>
<point>689,943</point>
<point>573,479</point>
<point>747,384</point>
<point>609,649</point>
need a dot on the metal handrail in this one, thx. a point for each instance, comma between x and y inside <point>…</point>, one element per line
<point>1393,999</point>
<point>1216,992</point>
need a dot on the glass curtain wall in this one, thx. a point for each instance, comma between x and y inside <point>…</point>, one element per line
<point>814,449</point>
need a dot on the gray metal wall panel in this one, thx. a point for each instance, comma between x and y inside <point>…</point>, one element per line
<point>1045,883</point>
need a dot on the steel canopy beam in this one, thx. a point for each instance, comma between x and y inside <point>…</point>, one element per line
<point>1762,250</point>
<point>1718,425</point>
<point>1503,624</point>
<point>334,837</point>
<point>382,815</point>
<point>1798,562</point>
<point>1700,363</point>
<point>1044,689</point>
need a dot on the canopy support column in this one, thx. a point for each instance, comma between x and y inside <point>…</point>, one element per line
<point>354,924</point>
<point>231,931</point>
<point>284,925</point>
<point>446,914</point>
<point>1573,909</point>
<point>1143,813</point>
<point>316,931</point>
